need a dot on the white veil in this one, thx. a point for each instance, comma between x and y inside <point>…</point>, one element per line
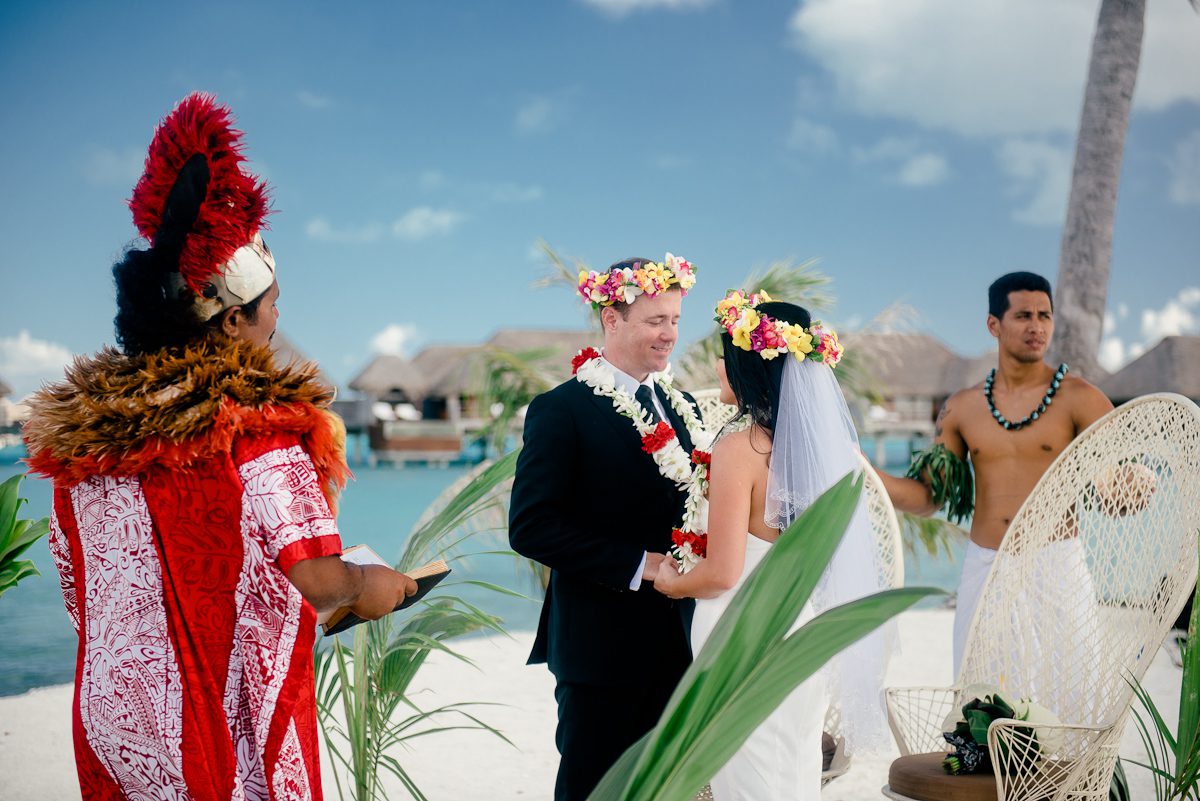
<point>814,446</point>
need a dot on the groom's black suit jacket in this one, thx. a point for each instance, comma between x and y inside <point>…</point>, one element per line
<point>588,502</point>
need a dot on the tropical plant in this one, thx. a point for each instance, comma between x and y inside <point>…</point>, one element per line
<point>16,536</point>
<point>363,699</point>
<point>1086,253</point>
<point>750,663</point>
<point>510,380</point>
<point>934,534</point>
<point>1174,756</point>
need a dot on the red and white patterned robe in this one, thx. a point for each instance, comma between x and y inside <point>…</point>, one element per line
<point>194,677</point>
<point>194,674</point>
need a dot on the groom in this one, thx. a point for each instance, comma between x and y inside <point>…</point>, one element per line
<point>589,503</point>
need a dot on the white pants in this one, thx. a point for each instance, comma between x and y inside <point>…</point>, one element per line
<point>977,563</point>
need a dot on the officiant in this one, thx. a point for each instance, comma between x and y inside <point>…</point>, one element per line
<point>597,505</point>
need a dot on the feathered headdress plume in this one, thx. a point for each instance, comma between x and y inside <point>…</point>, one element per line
<point>194,198</point>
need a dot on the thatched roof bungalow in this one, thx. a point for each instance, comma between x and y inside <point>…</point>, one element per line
<point>444,380</point>
<point>914,374</point>
<point>1173,365</point>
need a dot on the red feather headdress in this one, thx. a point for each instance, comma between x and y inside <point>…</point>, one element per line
<point>234,203</point>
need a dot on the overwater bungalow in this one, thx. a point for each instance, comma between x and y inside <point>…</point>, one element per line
<point>913,375</point>
<point>426,407</point>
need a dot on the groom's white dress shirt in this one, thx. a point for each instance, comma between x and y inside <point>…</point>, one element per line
<point>630,384</point>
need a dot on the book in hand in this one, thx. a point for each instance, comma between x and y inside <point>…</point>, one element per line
<point>426,576</point>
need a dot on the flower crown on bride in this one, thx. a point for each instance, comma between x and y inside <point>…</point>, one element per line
<point>769,337</point>
<point>624,284</point>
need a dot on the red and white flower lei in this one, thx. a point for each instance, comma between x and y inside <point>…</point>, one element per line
<point>688,471</point>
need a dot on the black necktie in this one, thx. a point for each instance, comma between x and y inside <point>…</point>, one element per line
<point>643,397</point>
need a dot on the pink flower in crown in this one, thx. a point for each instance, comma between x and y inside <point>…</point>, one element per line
<point>621,286</point>
<point>683,272</point>
<point>831,348</point>
<point>772,337</point>
<point>591,287</point>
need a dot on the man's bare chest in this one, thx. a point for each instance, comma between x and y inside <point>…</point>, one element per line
<point>1036,445</point>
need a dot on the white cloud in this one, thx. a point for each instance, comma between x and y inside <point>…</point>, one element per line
<point>107,167</point>
<point>1179,315</point>
<point>924,169</point>
<point>1019,66</point>
<point>424,222</point>
<point>313,100</point>
<point>320,229</point>
<point>916,167</point>
<point>1041,173</point>
<point>25,362</point>
<point>1184,167</point>
<point>619,8</point>
<point>1112,354</point>
<point>812,137</point>
<point>396,339</point>
<point>535,116</point>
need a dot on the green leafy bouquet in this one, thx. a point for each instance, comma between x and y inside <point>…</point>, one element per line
<point>968,732</point>
<point>950,480</point>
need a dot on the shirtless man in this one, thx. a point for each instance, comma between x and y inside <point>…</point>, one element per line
<point>1012,437</point>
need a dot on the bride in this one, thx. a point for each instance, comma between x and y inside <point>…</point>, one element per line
<point>794,441</point>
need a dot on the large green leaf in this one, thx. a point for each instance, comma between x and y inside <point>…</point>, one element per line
<point>9,501</point>
<point>24,533</point>
<point>16,535</point>
<point>749,664</point>
<point>13,572</point>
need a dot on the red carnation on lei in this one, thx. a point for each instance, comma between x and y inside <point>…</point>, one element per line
<point>585,355</point>
<point>697,542</point>
<point>657,439</point>
<point>701,457</point>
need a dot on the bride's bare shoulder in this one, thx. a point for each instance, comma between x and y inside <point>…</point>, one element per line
<point>747,445</point>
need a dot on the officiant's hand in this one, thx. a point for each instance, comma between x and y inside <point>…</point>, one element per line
<point>382,591</point>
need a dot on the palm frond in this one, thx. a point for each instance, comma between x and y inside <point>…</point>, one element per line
<point>363,689</point>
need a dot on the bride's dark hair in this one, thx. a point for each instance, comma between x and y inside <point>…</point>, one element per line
<point>755,381</point>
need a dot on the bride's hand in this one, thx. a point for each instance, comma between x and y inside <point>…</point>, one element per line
<point>667,580</point>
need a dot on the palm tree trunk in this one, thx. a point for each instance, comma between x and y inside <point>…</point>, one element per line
<point>1083,268</point>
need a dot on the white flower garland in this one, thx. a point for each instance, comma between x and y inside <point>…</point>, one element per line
<point>673,463</point>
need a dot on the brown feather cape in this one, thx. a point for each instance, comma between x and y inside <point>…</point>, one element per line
<point>118,415</point>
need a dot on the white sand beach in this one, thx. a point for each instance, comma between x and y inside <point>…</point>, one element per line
<point>37,762</point>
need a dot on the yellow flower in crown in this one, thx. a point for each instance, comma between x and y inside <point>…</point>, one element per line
<point>798,340</point>
<point>652,278</point>
<point>746,323</point>
<point>729,307</point>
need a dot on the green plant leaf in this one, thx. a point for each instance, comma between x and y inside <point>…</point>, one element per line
<point>749,664</point>
<point>24,533</point>
<point>13,572</point>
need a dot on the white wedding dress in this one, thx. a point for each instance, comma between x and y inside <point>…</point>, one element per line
<point>782,758</point>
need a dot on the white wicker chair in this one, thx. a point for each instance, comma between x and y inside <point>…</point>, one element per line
<point>890,548</point>
<point>1087,582</point>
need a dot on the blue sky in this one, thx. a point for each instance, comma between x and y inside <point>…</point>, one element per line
<point>418,150</point>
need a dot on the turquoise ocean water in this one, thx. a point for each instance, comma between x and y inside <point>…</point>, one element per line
<point>379,508</point>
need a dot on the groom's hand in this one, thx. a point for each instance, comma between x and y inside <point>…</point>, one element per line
<point>653,563</point>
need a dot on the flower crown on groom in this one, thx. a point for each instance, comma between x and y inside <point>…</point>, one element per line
<point>625,284</point>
